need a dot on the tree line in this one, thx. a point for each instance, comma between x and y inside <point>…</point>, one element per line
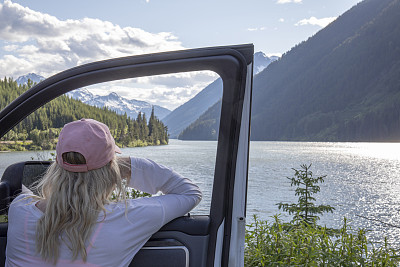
<point>40,130</point>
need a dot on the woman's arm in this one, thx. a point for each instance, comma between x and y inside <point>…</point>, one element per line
<point>151,177</point>
<point>180,194</point>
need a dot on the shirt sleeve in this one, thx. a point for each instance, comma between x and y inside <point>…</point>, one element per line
<point>180,194</point>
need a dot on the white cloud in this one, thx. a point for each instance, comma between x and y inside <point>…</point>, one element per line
<point>256,29</point>
<point>281,20</point>
<point>183,79</point>
<point>289,1</point>
<point>10,48</point>
<point>323,22</point>
<point>43,44</point>
<point>274,55</point>
<point>157,89</point>
<point>32,35</point>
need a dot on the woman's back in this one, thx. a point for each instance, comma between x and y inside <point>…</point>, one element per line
<point>118,231</point>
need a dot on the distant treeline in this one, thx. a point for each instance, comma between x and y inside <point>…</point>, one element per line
<point>40,130</point>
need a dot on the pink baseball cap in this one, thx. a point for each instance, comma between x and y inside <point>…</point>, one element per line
<point>90,138</point>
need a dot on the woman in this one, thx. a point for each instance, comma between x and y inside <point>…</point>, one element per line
<point>73,222</point>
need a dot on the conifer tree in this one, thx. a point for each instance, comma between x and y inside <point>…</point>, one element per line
<point>305,210</point>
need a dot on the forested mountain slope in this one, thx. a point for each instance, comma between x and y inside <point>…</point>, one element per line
<point>342,84</point>
<point>185,114</point>
<point>189,112</point>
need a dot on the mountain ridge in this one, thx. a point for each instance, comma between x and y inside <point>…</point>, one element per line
<point>184,115</point>
<point>120,104</point>
<point>112,101</point>
<point>23,80</point>
<point>342,84</point>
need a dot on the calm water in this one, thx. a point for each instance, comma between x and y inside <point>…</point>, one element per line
<point>363,179</point>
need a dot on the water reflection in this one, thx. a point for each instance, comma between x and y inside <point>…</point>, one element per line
<point>363,179</point>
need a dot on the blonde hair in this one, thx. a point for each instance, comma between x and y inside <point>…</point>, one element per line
<point>74,202</point>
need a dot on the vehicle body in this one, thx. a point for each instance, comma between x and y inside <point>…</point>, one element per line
<point>216,239</point>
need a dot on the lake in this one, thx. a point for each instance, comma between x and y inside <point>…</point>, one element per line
<point>363,179</point>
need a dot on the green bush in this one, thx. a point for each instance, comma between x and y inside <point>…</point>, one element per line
<point>282,244</point>
<point>132,194</point>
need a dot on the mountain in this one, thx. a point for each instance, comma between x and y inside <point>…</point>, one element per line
<point>206,127</point>
<point>21,80</point>
<point>187,113</point>
<point>261,61</point>
<point>118,103</point>
<point>342,84</point>
<point>43,126</point>
<point>113,101</point>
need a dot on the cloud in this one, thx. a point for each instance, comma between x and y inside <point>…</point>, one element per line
<point>31,35</point>
<point>35,42</point>
<point>289,1</point>
<point>157,89</point>
<point>256,29</point>
<point>314,21</point>
<point>281,20</point>
<point>274,55</point>
<point>183,79</point>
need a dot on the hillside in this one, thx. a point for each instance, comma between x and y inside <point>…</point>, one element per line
<point>342,84</point>
<point>206,127</point>
<point>187,113</point>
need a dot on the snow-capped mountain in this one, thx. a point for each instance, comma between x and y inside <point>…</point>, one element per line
<point>261,61</point>
<point>119,104</point>
<point>81,94</point>
<point>113,101</point>
<point>31,76</point>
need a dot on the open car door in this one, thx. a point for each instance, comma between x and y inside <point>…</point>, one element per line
<point>216,239</point>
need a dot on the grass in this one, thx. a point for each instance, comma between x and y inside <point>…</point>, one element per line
<point>3,218</point>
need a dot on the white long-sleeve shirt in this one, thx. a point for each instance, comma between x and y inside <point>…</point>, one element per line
<point>115,240</point>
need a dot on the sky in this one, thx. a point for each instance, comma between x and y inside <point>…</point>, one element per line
<point>47,36</point>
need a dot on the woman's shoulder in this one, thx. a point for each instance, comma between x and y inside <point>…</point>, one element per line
<point>24,199</point>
